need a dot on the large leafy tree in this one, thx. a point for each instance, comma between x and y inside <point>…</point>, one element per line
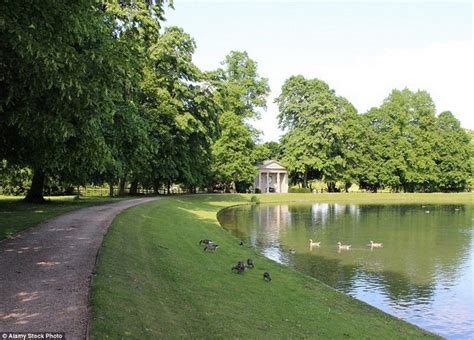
<point>404,146</point>
<point>136,31</point>
<point>58,86</point>
<point>240,92</point>
<point>317,123</point>
<point>452,154</point>
<point>398,141</point>
<point>181,110</point>
<point>66,69</point>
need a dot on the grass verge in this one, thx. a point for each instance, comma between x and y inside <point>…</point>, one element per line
<point>16,216</point>
<point>154,281</point>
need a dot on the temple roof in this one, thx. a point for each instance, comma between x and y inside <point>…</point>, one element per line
<point>272,165</point>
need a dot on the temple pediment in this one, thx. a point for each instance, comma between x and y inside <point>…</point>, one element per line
<point>271,165</point>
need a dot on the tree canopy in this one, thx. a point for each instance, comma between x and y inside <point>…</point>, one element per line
<point>97,92</point>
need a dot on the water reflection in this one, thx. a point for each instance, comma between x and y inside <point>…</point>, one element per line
<point>423,274</point>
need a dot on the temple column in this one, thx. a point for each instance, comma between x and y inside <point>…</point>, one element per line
<point>260,180</point>
<point>278,183</point>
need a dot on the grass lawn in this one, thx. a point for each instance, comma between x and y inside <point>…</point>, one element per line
<point>16,216</point>
<point>154,280</point>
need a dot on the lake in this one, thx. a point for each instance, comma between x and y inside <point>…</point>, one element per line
<point>423,273</point>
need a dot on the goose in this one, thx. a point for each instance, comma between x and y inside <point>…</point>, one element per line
<point>314,244</point>
<point>375,245</point>
<point>343,246</point>
<point>292,251</point>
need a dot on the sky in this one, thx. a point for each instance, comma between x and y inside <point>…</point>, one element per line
<point>363,50</point>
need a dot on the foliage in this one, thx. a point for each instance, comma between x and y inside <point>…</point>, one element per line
<point>402,145</point>
<point>453,152</point>
<point>255,199</point>
<point>268,150</point>
<point>296,190</point>
<point>318,129</point>
<point>240,92</point>
<point>14,180</point>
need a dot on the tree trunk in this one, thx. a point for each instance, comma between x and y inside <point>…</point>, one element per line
<point>331,186</point>
<point>156,187</point>
<point>347,186</point>
<point>111,189</point>
<point>168,189</point>
<point>122,186</point>
<point>134,187</point>
<point>35,194</point>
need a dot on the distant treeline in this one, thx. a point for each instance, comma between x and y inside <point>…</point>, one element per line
<point>98,93</point>
<point>401,145</point>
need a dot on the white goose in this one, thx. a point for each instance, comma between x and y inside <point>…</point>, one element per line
<point>375,245</point>
<point>314,244</point>
<point>343,246</point>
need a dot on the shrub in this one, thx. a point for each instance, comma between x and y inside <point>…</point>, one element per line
<point>299,190</point>
<point>255,199</point>
<point>258,191</point>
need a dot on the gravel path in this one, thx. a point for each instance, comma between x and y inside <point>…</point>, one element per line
<point>45,272</point>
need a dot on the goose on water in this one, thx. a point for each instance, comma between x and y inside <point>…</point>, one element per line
<point>375,245</point>
<point>343,246</point>
<point>314,244</point>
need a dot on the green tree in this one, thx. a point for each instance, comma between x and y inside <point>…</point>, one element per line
<point>182,113</point>
<point>66,70</point>
<point>268,150</point>
<point>398,141</point>
<point>240,92</point>
<point>317,138</point>
<point>233,153</point>
<point>58,85</point>
<point>452,154</point>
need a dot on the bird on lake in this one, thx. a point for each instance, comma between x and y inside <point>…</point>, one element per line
<point>314,244</point>
<point>375,245</point>
<point>343,246</point>
<point>292,251</point>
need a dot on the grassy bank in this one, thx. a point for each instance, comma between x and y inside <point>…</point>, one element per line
<point>154,280</point>
<point>16,216</point>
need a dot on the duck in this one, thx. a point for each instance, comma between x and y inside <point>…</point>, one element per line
<point>343,246</point>
<point>314,244</point>
<point>267,277</point>
<point>292,251</point>
<point>375,245</point>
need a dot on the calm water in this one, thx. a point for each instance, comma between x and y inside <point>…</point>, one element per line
<point>424,273</point>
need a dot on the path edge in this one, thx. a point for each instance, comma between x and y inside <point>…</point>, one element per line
<point>92,274</point>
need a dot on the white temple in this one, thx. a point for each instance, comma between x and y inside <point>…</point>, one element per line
<point>271,177</point>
